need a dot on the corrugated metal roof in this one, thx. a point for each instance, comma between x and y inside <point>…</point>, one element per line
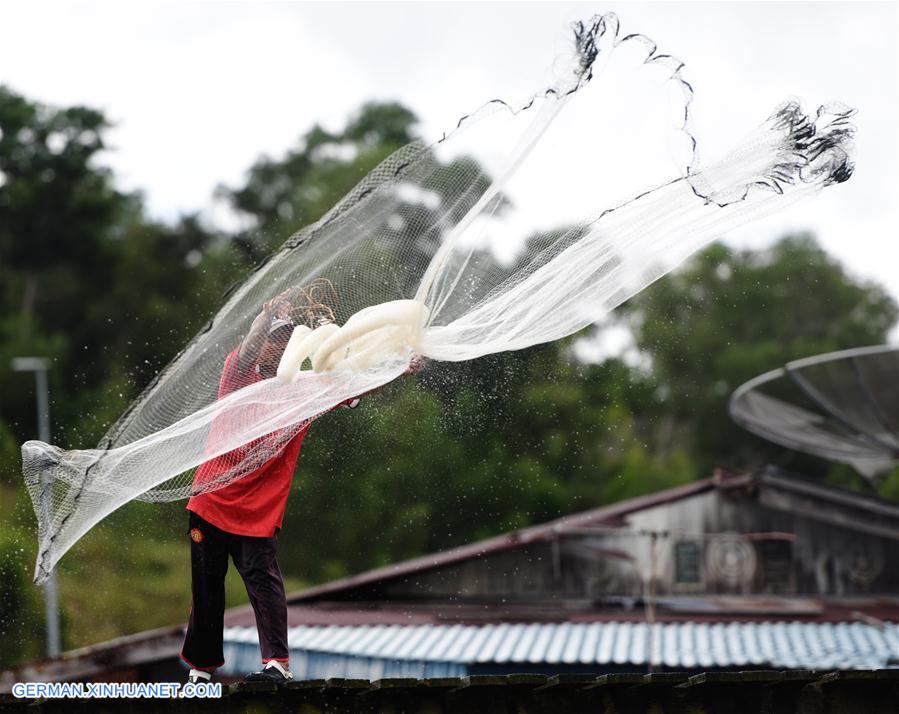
<point>680,645</point>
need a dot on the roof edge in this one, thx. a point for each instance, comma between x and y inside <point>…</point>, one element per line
<point>610,515</point>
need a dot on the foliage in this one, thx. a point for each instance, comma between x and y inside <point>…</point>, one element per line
<point>281,196</point>
<point>731,315</point>
<point>20,617</point>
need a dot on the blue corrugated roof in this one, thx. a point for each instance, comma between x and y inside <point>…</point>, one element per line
<point>681,645</point>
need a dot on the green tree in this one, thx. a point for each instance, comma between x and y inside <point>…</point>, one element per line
<point>88,280</point>
<point>110,296</point>
<point>59,212</point>
<point>282,195</point>
<point>732,314</point>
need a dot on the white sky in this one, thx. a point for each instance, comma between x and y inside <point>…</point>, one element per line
<point>199,90</point>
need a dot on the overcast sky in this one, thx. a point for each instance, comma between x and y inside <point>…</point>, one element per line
<point>198,90</point>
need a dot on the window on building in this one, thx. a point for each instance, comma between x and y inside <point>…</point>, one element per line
<point>777,564</point>
<point>686,561</point>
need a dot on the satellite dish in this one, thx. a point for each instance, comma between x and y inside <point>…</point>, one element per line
<point>842,406</point>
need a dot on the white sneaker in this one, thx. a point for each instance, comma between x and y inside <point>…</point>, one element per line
<point>273,671</point>
<point>198,675</point>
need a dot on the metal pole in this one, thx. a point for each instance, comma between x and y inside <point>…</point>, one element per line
<point>39,366</point>
<point>651,604</point>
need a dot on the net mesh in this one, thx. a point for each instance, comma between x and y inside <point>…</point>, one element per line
<point>842,406</point>
<point>524,224</point>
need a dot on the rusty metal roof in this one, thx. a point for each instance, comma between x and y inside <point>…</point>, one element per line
<point>604,516</point>
<point>874,514</point>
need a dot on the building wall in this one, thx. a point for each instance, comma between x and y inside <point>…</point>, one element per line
<point>712,543</point>
<point>824,558</point>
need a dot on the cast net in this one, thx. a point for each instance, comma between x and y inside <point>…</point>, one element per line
<point>526,223</point>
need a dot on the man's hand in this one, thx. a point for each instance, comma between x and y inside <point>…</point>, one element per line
<point>416,365</point>
<point>280,305</point>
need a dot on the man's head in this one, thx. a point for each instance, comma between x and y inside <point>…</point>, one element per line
<point>311,305</point>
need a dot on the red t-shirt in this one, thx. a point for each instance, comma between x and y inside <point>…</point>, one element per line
<point>252,505</point>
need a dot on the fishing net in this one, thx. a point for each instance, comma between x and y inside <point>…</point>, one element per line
<point>526,223</point>
<point>842,406</point>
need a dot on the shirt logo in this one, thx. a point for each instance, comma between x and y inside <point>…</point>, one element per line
<point>196,535</point>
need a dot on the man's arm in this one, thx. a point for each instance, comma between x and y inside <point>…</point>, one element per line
<point>415,366</point>
<point>277,307</point>
<point>252,343</point>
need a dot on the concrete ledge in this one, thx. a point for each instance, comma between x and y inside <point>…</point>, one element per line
<point>751,692</point>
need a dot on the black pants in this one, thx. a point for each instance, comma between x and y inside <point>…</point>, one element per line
<point>255,560</point>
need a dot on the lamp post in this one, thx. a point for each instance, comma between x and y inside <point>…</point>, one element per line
<point>40,365</point>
